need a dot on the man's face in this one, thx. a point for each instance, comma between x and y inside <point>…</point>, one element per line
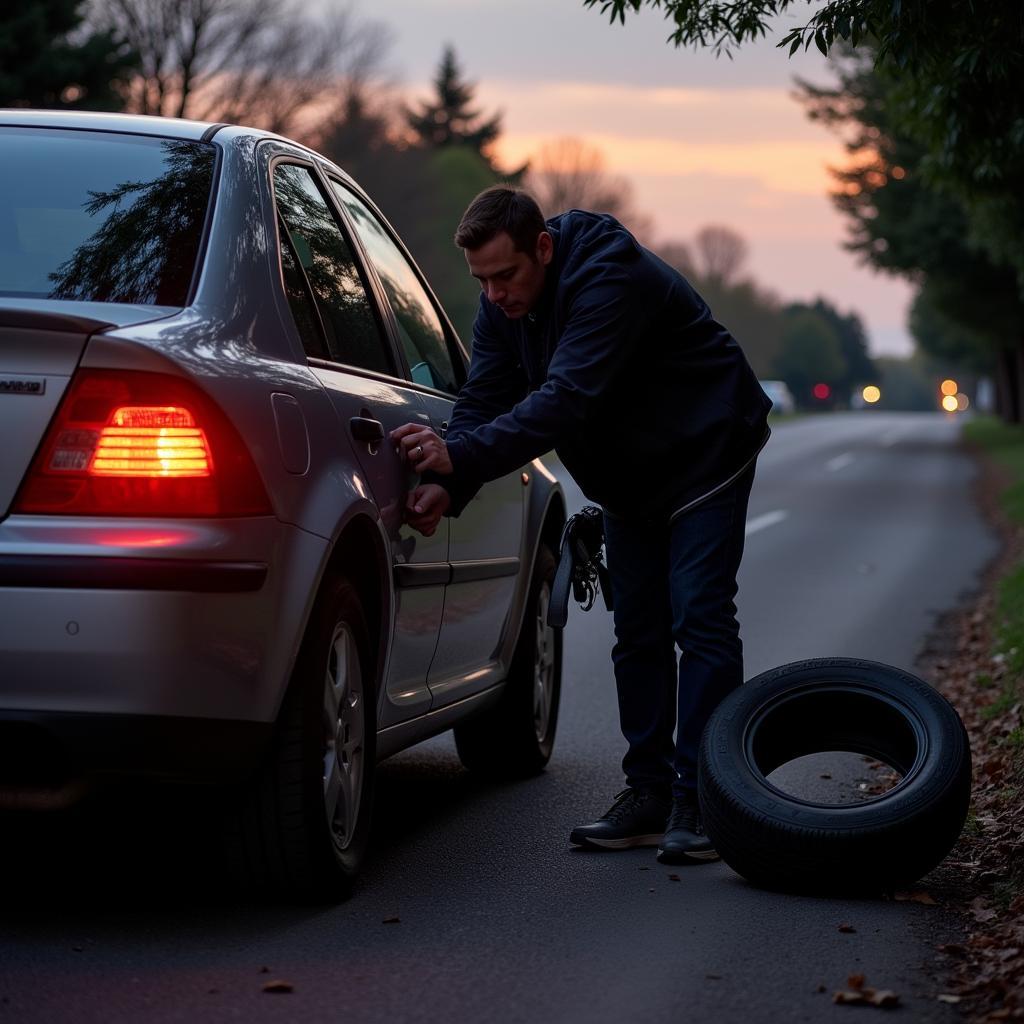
<point>511,279</point>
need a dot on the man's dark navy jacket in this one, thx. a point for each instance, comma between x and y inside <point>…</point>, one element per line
<point>620,367</point>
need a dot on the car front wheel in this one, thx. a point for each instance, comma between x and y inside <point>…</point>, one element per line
<point>514,738</point>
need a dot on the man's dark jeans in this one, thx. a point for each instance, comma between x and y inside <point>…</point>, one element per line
<point>675,584</point>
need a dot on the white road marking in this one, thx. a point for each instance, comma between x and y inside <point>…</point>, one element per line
<point>763,522</point>
<point>839,462</point>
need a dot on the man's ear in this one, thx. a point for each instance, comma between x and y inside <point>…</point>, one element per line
<point>545,248</point>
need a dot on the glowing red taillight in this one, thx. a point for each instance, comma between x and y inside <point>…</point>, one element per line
<point>151,441</point>
<point>130,443</point>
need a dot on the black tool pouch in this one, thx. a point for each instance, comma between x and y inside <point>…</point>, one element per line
<point>580,566</point>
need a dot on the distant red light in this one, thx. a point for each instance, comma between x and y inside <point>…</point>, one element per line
<point>822,391</point>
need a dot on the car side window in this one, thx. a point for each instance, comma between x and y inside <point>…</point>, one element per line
<point>419,326</point>
<point>318,262</point>
<point>300,298</point>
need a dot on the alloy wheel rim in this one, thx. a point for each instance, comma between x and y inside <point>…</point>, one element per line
<point>343,725</point>
<point>543,666</point>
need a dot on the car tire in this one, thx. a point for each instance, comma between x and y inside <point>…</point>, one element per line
<point>514,738</point>
<point>302,826</point>
<point>778,841</point>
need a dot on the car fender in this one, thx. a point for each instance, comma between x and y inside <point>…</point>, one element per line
<point>544,519</point>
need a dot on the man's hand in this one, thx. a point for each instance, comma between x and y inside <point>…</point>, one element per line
<point>422,448</point>
<point>424,507</point>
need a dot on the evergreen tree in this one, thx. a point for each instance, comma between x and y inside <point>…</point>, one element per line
<point>40,65</point>
<point>448,119</point>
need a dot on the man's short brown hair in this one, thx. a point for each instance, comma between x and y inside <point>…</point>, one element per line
<point>501,208</point>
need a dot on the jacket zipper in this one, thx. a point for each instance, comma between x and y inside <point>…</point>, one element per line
<point>725,483</point>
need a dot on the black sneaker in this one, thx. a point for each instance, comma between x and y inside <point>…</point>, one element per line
<point>637,818</point>
<point>684,835</point>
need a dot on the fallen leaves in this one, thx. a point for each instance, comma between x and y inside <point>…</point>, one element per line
<point>981,911</point>
<point>392,920</point>
<point>985,872</point>
<point>278,987</point>
<point>847,929</point>
<point>858,994</point>
<point>918,896</point>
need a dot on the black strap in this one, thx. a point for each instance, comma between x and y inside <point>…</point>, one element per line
<point>558,609</point>
<point>580,566</point>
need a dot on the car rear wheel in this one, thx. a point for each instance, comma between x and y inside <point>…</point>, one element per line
<point>302,827</point>
<point>515,737</point>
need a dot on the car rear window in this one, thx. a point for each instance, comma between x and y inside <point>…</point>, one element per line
<point>100,216</point>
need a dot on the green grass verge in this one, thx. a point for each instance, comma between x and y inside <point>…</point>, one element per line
<point>1005,445</point>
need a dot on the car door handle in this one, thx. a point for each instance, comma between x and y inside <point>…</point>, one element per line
<point>364,429</point>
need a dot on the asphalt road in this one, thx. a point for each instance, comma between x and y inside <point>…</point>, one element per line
<point>861,529</point>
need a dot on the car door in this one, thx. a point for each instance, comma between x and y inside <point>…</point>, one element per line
<point>485,541</point>
<point>349,350</point>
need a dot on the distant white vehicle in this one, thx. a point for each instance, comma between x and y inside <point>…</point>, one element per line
<point>779,393</point>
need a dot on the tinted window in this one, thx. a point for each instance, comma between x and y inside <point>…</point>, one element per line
<point>100,216</point>
<point>419,326</point>
<point>326,261</point>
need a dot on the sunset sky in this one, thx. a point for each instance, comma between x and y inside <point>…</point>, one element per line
<point>702,140</point>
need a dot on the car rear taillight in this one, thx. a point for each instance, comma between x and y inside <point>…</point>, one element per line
<point>128,443</point>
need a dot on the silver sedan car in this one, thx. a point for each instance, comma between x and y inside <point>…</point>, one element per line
<point>206,334</point>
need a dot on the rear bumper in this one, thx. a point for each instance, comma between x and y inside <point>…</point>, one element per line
<point>69,572</point>
<point>189,620</point>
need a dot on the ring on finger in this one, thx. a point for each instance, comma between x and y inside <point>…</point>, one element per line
<point>418,450</point>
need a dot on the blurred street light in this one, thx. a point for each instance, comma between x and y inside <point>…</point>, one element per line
<point>949,403</point>
<point>949,388</point>
<point>871,394</point>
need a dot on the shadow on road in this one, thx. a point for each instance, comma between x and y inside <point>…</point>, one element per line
<point>136,850</point>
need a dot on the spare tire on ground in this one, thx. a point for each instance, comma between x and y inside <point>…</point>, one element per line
<point>780,841</point>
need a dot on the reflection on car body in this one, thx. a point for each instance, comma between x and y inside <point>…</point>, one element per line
<point>206,334</point>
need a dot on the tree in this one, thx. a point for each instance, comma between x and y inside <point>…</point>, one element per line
<point>567,174</point>
<point>448,119</point>
<point>956,68</point>
<point>454,176</point>
<point>859,367</point>
<point>49,58</point>
<point>752,314</point>
<point>905,385</point>
<point>810,354</point>
<point>904,223</point>
<point>260,62</point>
<point>721,254</point>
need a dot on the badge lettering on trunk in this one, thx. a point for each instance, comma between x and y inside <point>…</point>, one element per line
<point>22,385</point>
